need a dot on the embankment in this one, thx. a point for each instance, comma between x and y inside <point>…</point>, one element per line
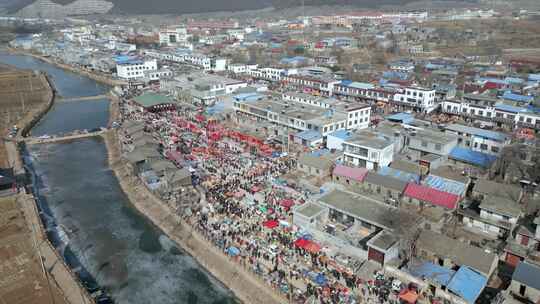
<point>105,79</point>
<point>28,122</point>
<point>246,286</point>
<point>63,278</point>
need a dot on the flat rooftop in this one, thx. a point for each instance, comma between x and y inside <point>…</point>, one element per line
<point>310,210</point>
<point>366,209</point>
<point>369,139</point>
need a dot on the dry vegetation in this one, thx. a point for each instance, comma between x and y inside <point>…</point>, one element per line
<point>21,277</point>
<point>20,92</point>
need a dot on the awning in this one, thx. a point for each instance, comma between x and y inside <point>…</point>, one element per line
<point>271,224</point>
<point>233,251</point>
<point>308,245</point>
<point>320,279</point>
<point>287,203</point>
<point>409,296</point>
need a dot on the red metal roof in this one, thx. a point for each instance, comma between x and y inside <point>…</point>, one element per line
<point>431,195</point>
<point>357,174</point>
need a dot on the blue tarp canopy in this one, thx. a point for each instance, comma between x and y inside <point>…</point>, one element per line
<point>401,118</point>
<point>341,134</point>
<point>472,157</point>
<point>217,108</point>
<point>233,251</point>
<point>320,279</point>
<point>445,185</point>
<point>398,174</point>
<point>320,152</point>
<point>247,97</point>
<point>309,135</point>
<point>432,272</point>
<point>468,284</point>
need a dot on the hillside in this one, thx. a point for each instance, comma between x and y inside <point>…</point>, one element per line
<point>200,6</point>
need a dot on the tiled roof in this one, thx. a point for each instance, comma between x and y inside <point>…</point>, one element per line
<point>357,174</point>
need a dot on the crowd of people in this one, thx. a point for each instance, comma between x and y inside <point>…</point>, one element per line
<point>247,214</point>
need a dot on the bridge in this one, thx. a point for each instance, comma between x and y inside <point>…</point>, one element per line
<point>54,139</point>
<point>85,98</point>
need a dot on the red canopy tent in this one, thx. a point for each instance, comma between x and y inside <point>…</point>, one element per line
<point>409,296</point>
<point>307,245</point>
<point>287,203</point>
<point>312,247</point>
<point>271,224</point>
<point>300,243</point>
<point>200,118</point>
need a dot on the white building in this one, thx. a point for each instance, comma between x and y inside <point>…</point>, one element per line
<point>241,68</point>
<point>236,34</point>
<point>368,150</point>
<point>121,46</point>
<point>169,36</point>
<point>207,63</point>
<point>417,98</point>
<point>358,114</point>
<point>480,140</point>
<point>158,74</point>
<point>272,74</point>
<point>135,68</point>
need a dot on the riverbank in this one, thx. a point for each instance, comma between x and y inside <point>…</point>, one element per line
<point>58,277</point>
<point>98,78</point>
<point>247,287</point>
<point>35,116</point>
<point>64,279</point>
<point>55,270</point>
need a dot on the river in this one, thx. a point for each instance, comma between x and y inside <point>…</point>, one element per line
<point>82,203</point>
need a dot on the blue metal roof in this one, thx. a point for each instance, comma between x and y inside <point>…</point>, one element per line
<point>487,134</point>
<point>247,97</point>
<point>445,185</point>
<point>468,284</point>
<point>493,80</point>
<point>527,274</point>
<point>361,85</point>
<point>515,80</point>
<point>320,152</point>
<point>401,117</point>
<point>341,134</point>
<point>509,108</point>
<point>394,75</point>
<point>432,272</point>
<point>309,135</point>
<point>534,77</point>
<point>398,174</point>
<point>517,97</point>
<point>472,157</point>
<point>293,59</point>
<point>434,66</point>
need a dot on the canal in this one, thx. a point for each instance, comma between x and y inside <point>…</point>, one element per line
<point>91,221</point>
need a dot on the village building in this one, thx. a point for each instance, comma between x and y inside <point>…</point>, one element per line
<point>151,102</point>
<point>479,140</point>
<point>368,149</point>
<point>315,165</point>
<point>525,284</point>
